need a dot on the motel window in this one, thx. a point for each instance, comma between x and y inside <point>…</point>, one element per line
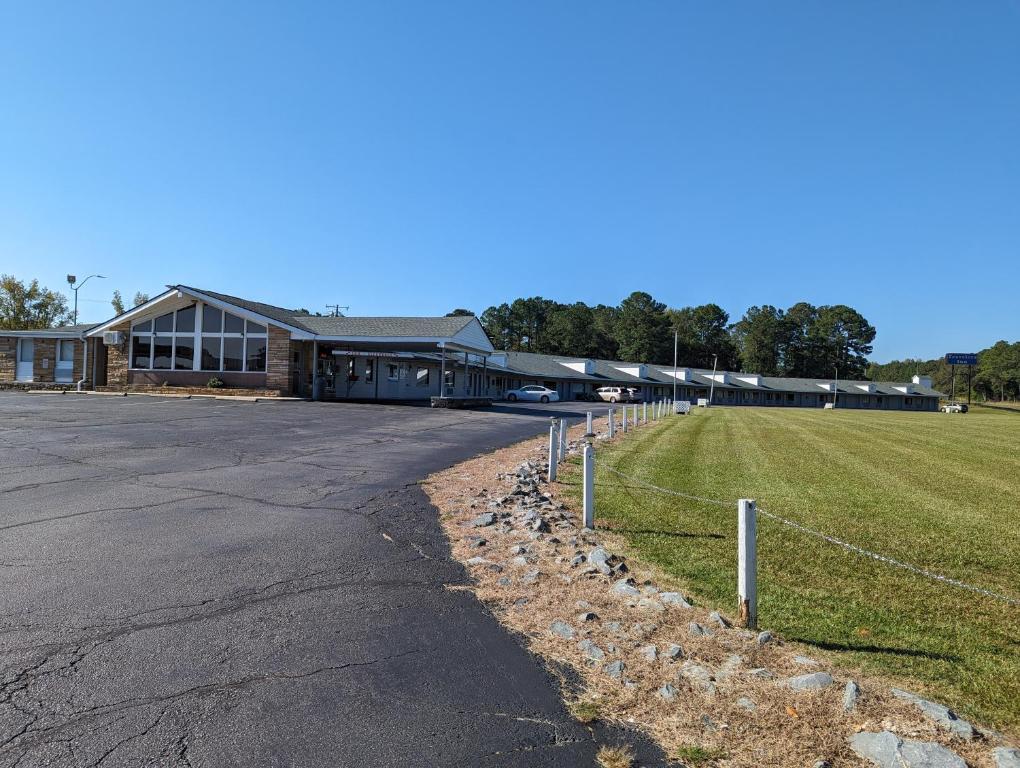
<point>65,351</point>
<point>908,401</point>
<point>369,370</point>
<point>790,398</point>
<point>451,379</point>
<point>421,377</point>
<point>225,342</point>
<point>392,372</point>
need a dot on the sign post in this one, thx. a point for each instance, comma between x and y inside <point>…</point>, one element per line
<point>969,359</point>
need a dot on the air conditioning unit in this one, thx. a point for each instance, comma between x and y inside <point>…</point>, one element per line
<point>113,338</point>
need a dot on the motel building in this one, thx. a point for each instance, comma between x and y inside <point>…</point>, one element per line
<point>203,341</point>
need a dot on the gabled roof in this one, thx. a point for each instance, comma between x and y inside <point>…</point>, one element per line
<point>279,314</point>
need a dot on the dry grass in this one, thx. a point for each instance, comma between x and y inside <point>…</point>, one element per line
<point>783,727</point>
<point>615,757</point>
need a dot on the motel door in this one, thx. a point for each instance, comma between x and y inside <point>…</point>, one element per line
<point>26,356</point>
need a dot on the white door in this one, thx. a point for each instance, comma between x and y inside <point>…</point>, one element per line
<point>26,354</point>
<point>64,371</point>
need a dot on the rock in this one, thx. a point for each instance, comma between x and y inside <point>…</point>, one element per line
<point>674,599</point>
<point>887,750</point>
<point>697,630</point>
<point>708,723</point>
<point>591,650</point>
<point>761,673</point>
<point>717,618</point>
<point>625,588</point>
<point>651,605</point>
<point>562,629</point>
<point>812,682</point>
<point>504,581</point>
<point>667,692</point>
<point>747,704</point>
<point>938,713</point>
<point>475,542</point>
<point>650,589</point>
<point>613,627</point>
<point>599,558</point>
<point>582,605</point>
<point>674,652</point>
<point>728,667</point>
<point>851,694</point>
<point>521,561</point>
<point>650,652</point>
<point>822,764</point>
<point>1006,757</point>
<point>611,648</point>
<point>518,549</point>
<point>805,661</point>
<point>699,675</point>
<point>531,577</point>
<point>586,617</point>
<point>477,560</point>
<point>614,669</point>
<point>764,638</point>
<point>576,561</point>
<point>483,520</point>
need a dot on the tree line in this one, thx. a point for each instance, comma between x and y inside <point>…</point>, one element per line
<point>995,377</point>
<point>804,340</point>
<point>28,306</point>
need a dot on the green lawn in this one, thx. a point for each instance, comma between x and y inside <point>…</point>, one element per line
<point>937,490</point>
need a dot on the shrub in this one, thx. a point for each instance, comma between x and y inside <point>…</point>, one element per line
<point>214,383</point>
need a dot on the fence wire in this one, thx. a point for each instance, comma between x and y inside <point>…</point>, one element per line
<point>890,561</point>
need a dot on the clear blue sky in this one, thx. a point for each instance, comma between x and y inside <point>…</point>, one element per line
<point>409,158</point>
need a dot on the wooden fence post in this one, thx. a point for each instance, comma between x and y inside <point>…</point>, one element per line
<point>747,563</point>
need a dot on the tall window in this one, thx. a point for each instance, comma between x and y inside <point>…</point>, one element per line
<point>223,342</point>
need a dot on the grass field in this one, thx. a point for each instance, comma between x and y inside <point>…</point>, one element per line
<point>936,490</point>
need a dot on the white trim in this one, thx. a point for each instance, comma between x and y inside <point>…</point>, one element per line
<point>134,312</point>
<point>247,314</point>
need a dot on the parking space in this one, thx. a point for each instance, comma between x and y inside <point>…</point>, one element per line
<point>207,582</point>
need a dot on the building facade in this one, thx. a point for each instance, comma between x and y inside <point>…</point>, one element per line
<point>193,338</point>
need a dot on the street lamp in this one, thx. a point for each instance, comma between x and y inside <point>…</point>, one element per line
<point>71,281</point>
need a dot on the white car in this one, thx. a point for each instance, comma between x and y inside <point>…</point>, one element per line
<point>534,393</point>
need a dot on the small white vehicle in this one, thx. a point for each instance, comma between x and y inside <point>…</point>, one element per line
<point>614,394</point>
<point>533,393</point>
<point>954,408</point>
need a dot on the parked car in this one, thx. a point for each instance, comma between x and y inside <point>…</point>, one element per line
<point>533,393</point>
<point>635,394</point>
<point>614,394</point>
<point>954,408</point>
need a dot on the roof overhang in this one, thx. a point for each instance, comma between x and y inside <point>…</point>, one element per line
<point>46,333</point>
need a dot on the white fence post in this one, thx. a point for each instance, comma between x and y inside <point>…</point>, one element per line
<point>644,412</point>
<point>612,423</point>
<point>588,425</point>
<point>624,409</point>
<point>554,444</point>
<point>588,504</point>
<point>747,563</point>
<point>563,439</point>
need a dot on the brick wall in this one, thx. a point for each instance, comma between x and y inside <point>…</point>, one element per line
<point>8,358</point>
<point>278,363</point>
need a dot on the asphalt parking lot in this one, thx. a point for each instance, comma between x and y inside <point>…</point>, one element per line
<point>218,583</point>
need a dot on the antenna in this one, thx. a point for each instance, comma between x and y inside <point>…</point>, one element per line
<point>336,309</point>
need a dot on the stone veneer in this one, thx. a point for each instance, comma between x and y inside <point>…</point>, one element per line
<point>278,365</point>
<point>8,358</point>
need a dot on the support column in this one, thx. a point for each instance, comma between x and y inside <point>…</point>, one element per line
<point>442,373</point>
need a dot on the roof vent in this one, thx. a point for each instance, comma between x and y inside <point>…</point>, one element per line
<point>638,371</point>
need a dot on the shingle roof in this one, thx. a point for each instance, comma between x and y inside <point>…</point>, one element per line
<point>549,366</point>
<point>397,327</point>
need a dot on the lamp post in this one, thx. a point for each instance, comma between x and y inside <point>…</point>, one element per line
<point>75,285</point>
<point>676,337</point>
<point>711,388</point>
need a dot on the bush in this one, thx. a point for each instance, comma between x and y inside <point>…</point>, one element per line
<point>214,383</point>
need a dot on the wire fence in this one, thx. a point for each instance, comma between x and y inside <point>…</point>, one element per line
<point>890,561</point>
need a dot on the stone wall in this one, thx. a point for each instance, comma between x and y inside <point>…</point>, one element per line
<point>8,358</point>
<point>117,357</point>
<point>45,360</point>
<point>278,364</point>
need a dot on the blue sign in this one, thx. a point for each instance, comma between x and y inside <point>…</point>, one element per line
<point>961,358</point>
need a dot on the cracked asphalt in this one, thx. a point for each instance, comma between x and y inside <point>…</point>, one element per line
<point>220,583</point>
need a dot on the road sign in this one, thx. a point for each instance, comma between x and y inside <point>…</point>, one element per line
<point>961,358</point>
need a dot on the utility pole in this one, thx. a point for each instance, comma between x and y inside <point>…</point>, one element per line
<point>711,388</point>
<point>676,337</point>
